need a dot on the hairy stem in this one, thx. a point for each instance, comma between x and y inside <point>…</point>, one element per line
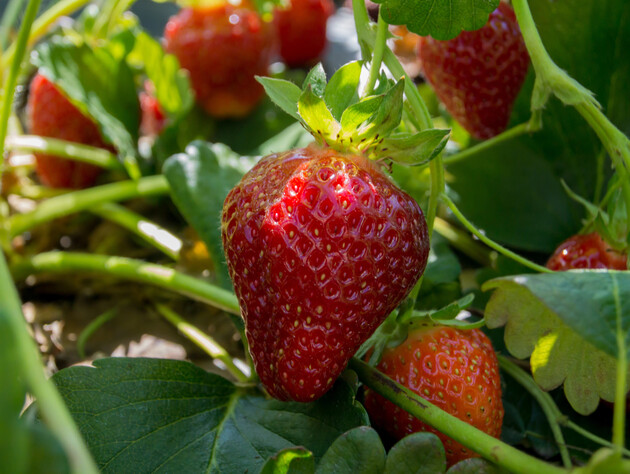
<point>50,403</point>
<point>377,56</point>
<point>489,242</point>
<point>76,201</point>
<point>203,341</point>
<point>545,401</point>
<point>64,149</point>
<point>487,446</point>
<point>128,269</point>
<point>155,235</point>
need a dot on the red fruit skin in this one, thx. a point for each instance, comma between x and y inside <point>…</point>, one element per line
<point>321,247</point>
<point>454,369</point>
<point>302,30</point>
<point>223,47</point>
<point>478,74</point>
<point>51,114</point>
<point>153,118</point>
<point>586,251</point>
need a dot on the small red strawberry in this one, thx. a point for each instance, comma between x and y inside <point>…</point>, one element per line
<point>153,118</point>
<point>223,47</point>
<point>478,74</point>
<point>586,251</point>
<point>50,114</point>
<point>321,246</point>
<point>454,369</point>
<point>302,30</point>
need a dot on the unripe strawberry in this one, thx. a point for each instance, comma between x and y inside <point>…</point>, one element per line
<point>586,251</point>
<point>51,114</point>
<point>223,47</point>
<point>321,246</point>
<point>302,30</point>
<point>478,74</point>
<point>454,369</point>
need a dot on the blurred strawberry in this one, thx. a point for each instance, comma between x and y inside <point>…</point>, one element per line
<point>153,118</point>
<point>50,114</point>
<point>223,46</point>
<point>302,30</point>
<point>586,251</point>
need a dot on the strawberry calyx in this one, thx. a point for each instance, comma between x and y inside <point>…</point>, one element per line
<point>395,329</point>
<point>336,114</point>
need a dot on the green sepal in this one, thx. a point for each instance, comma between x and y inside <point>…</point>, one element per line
<point>414,149</point>
<point>283,93</point>
<point>342,90</point>
<point>316,79</point>
<point>317,118</point>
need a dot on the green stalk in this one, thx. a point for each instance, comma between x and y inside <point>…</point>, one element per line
<point>490,243</point>
<point>42,25</point>
<point>487,446</point>
<point>14,71</point>
<point>377,56</point>
<point>127,269</point>
<point>51,405</point>
<point>545,401</point>
<point>76,201</point>
<point>480,147</point>
<point>203,341</point>
<point>588,435</point>
<point>462,241</point>
<point>64,149</point>
<point>160,238</point>
<point>92,328</point>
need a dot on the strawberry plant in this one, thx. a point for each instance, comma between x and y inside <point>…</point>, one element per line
<point>346,269</point>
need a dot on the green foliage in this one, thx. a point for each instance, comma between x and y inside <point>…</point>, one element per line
<point>358,450</point>
<point>200,180</point>
<point>474,466</point>
<point>559,355</point>
<point>141,415</point>
<point>418,453</point>
<point>290,461</point>
<point>442,20</point>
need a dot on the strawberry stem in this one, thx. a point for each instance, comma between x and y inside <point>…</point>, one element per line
<point>155,235</point>
<point>91,328</point>
<point>76,201</point>
<point>64,149</point>
<point>490,243</point>
<point>377,56</point>
<point>203,341</point>
<point>487,446</point>
<point>548,406</point>
<point>51,405</point>
<point>479,148</point>
<point>128,269</point>
<point>465,243</point>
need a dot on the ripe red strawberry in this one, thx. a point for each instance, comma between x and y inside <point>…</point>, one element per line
<point>586,251</point>
<point>223,47</point>
<point>302,30</point>
<point>50,114</point>
<point>153,118</point>
<point>321,247</point>
<point>454,369</point>
<point>478,74</point>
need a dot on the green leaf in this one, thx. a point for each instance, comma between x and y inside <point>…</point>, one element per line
<point>358,450</point>
<point>418,453</point>
<point>440,19</point>
<point>290,461</point>
<point>317,117</point>
<point>283,93</point>
<point>200,180</point>
<point>316,80</point>
<point>474,466</point>
<point>145,415</point>
<point>416,149</point>
<point>359,114</point>
<point>558,354</point>
<point>172,86</point>
<point>101,86</point>
<point>342,90</point>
